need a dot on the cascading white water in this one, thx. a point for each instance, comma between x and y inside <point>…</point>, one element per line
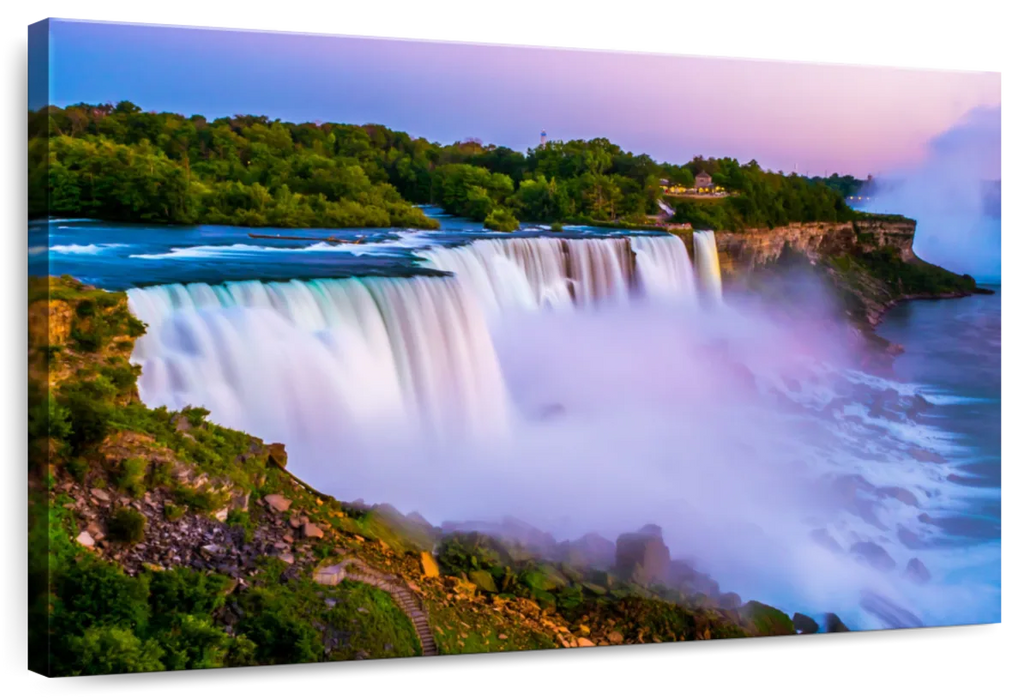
<point>663,267</point>
<point>296,359</point>
<point>706,251</point>
<point>509,274</point>
<point>534,273</point>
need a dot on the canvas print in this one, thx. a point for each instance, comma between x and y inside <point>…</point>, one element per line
<point>346,348</point>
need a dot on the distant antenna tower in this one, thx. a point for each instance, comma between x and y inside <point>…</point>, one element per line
<point>543,138</point>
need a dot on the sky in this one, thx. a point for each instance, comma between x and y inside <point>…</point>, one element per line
<point>810,118</point>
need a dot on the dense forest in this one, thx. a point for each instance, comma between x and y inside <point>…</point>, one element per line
<point>121,163</point>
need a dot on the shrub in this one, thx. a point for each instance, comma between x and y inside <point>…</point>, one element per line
<point>78,468</point>
<point>501,220</point>
<point>129,475</point>
<point>126,525</point>
<point>87,408</point>
<point>185,591</point>
<point>102,650</point>
<point>93,593</point>
<point>194,642</point>
<point>47,417</point>
<point>173,512</point>
<point>557,227</point>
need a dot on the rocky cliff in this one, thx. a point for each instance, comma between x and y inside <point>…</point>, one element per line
<point>868,265</point>
<point>740,253</point>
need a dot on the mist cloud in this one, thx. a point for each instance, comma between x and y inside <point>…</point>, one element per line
<point>945,194</point>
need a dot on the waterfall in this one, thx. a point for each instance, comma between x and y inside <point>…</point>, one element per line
<point>708,268</point>
<point>663,267</point>
<point>536,273</point>
<point>291,360</point>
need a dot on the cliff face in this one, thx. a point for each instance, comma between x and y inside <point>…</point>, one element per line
<point>868,264</point>
<point>743,252</point>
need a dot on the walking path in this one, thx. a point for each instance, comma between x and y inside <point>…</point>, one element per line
<point>403,596</point>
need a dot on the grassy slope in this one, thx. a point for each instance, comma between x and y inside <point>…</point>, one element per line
<point>190,566</point>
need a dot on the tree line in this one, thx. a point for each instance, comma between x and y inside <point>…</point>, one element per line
<point>121,163</point>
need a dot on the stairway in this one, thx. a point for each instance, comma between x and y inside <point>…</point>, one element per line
<point>403,596</point>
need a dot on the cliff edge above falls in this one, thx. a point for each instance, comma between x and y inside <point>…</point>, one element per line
<point>868,264</point>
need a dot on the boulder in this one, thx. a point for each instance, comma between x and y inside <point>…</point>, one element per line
<point>277,455</point>
<point>430,569</point>
<point>765,620</point>
<point>313,531</point>
<point>891,614</point>
<point>330,575</point>
<point>917,572</point>
<point>643,556</point>
<point>873,555</point>
<point>615,637</point>
<point>899,493</point>
<point>804,624</point>
<point>834,624</point>
<point>278,502</point>
<point>926,456</point>
<point>483,580</point>
<point>85,539</point>
<point>583,642</point>
<point>918,404</point>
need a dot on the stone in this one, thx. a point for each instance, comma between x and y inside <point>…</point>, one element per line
<point>804,624</point>
<point>766,620</point>
<point>313,531</point>
<point>917,572</point>
<point>240,501</point>
<point>330,575</point>
<point>286,557</point>
<point>430,569</point>
<point>873,555</point>
<point>889,612</point>
<point>729,601</point>
<point>85,539</point>
<point>277,454</point>
<point>643,555</point>
<point>926,456</point>
<point>213,550</point>
<point>483,580</point>
<point>583,642</point>
<point>222,515</point>
<point>834,624</point>
<point>100,495</point>
<point>615,637</point>
<point>295,523</point>
<point>899,493</point>
<point>278,502</point>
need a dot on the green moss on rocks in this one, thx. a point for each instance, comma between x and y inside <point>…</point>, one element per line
<point>766,621</point>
